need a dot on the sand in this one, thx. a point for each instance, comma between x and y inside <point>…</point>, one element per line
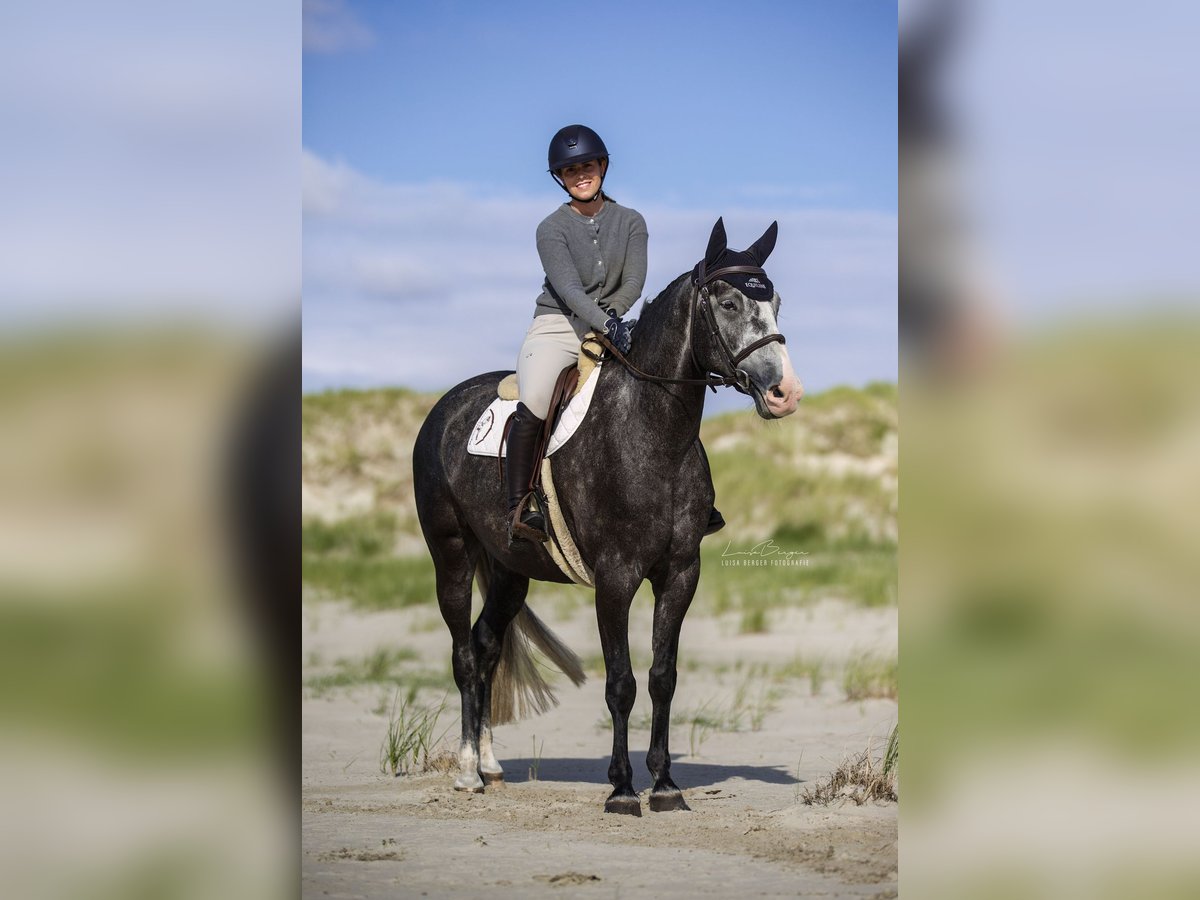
<point>369,834</point>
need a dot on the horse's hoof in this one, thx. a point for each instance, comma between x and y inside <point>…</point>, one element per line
<point>493,778</point>
<point>469,784</point>
<point>626,806</point>
<point>668,801</point>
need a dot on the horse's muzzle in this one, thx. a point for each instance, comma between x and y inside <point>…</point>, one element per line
<point>781,399</point>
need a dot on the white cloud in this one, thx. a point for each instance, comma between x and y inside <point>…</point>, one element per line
<point>330,26</point>
<point>427,284</point>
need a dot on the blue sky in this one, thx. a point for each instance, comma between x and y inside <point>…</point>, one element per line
<point>425,131</point>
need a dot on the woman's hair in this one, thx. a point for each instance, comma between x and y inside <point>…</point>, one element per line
<point>604,193</point>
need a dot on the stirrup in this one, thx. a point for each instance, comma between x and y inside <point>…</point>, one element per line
<point>527,523</point>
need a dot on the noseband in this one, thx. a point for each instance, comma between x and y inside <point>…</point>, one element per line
<point>740,379</point>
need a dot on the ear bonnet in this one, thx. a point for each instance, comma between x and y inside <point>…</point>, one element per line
<point>719,256</point>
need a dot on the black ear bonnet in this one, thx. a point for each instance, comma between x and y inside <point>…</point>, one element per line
<point>718,256</point>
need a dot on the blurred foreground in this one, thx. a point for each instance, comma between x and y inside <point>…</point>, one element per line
<point>150,226</point>
<point>1051,493</point>
<point>137,722</point>
<point>1049,619</point>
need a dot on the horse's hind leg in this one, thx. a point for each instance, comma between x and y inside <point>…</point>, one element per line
<point>455,568</point>
<point>673,592</point>
<point>504,596</point>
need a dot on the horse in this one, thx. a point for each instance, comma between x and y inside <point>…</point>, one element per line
<point>635,491</point>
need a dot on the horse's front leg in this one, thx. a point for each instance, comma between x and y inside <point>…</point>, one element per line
<point>673,592</point>
<point>613,598</point>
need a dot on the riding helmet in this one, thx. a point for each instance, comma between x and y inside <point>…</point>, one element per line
<point>574,144</point>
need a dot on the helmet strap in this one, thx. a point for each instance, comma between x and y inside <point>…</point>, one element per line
<point>559,182</point>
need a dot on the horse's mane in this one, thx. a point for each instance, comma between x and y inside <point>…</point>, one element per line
<point>658,315</point>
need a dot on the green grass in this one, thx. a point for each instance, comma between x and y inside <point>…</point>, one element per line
<point>106,673</point>
<point>776,484</point>
<point>383,666</point>
<point>769,482</point>
<point>409,743</point>
<point>812,669</point>
<point>859,572</point>
<point>537,758</point>
<point>754,617</point>
<point>341,405</point>
<point>868,676</point>
<point>372,583</point>
<point>702,721</point>
<point>369,535</point>
<point>352,560</point>
<point>754,698</point>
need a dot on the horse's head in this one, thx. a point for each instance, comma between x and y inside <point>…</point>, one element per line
<point>737,333</point>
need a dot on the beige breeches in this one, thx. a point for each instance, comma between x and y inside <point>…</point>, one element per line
<point>551,344</point>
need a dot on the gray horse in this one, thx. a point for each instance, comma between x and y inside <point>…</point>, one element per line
<point>636,493</point>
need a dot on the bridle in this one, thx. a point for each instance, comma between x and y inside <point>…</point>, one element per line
<point>740,379</point>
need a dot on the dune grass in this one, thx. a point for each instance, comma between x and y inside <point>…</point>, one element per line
<point>866,676</point>
<point>353,560</point>
<point>385,665</point>
<point>860,778</point>
<point>106,672</point>
<point>818,487</point>
<point>798,667</point>
<point>409,745</point>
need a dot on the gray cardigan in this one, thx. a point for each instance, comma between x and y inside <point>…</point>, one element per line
<point>592,264</point>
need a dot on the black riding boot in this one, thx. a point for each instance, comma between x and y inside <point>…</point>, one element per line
<point>518,471</point>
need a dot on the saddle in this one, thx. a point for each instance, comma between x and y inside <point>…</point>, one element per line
<point>507,388</point>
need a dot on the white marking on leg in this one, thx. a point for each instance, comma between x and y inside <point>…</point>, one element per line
<point>487,758</point>
<point>468,770</point>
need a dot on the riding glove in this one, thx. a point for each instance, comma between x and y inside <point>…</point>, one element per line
<point>619,333</point>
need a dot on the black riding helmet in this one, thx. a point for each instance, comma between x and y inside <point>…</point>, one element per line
<point>574,144</point>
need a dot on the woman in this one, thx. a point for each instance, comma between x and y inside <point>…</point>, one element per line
<point>593,251</point>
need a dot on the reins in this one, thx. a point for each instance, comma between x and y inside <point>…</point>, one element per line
<point>740,378</point>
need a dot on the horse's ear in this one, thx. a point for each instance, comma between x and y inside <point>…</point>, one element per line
<point>762,248</point>
<point>716,243</point>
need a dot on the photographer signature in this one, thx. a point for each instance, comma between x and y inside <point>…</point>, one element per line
<point>767,548</point>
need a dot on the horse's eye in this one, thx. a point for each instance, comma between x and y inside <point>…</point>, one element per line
<point>728,304</point>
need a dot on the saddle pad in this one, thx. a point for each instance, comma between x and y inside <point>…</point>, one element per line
<point>485,438</point>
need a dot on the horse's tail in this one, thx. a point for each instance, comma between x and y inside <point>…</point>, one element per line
<point>518,688</point>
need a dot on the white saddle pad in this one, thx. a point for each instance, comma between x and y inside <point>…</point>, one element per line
<point>485,438</point>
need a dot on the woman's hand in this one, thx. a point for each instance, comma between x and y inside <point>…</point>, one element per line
<point>619,333</point>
